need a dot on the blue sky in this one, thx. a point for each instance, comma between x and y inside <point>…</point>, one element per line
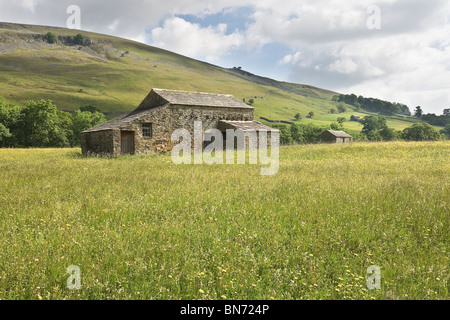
<point>397,50</point>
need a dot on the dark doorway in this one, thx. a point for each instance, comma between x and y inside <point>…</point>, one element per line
<point>127,142</point>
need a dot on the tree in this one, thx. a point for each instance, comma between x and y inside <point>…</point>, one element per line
<point>341,108</point>
<point>297,133</point>
<point>341,120</point>
<point>10,118</point>
<point>297,116</point>
<point>83,120</point>
<point>374,136</point>
<point>310,114</point>
<point>375,105</point>
<point>373,123</point>
<point>4,133</point>
<point>418,113</point>
<point>446,130</point>
<point>446,112</point>
<point>78,39</point>
<point>311,132</point>
<point>420,132</point>
<point>435,120</point>
<point>50,37</point>
<point>336,126</point>
<point>285,133</point>
<point>90,109</point>
<point>332,110</point>
<point>388,134</point>
<point>43,125</point>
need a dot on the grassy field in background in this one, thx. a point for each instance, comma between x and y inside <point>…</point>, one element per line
<point>143,228</point>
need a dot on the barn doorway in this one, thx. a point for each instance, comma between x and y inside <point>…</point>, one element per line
<point>126,142</point>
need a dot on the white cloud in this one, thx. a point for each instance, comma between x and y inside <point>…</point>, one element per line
<point>292,58</point>
<point>29,5</point>
<point>329,43</point>
<point>192,40</point>
<point>407,63</point>
<point>113,25</point>
<point>344,66</point>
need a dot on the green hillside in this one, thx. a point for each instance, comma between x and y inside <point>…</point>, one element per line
<point>115,74</point>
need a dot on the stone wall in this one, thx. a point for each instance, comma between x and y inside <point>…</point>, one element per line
<point>97,142</point>
<point>161,120</point>
<point>164,120</point>
<point>184,116</point>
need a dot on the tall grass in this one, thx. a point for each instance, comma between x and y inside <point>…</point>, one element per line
<point>143,228</point>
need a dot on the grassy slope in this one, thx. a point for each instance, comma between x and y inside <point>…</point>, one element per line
<point>282,105</point>
<point>311,231</point>
<point>100,76</point>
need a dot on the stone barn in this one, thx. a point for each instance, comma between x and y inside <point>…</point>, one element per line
<point>355,117</point>
<point>331,136</point>
<point>149,128</point>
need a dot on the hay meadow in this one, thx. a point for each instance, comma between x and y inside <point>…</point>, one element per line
<point>141,227</point>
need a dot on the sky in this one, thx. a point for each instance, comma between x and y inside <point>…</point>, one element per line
<point>396,50</point>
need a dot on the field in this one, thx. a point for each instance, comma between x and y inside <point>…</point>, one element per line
<point>143,228</point>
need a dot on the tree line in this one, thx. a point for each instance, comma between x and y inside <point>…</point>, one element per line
<point>431,118</point>
<point>41,125</point>
<point>374,129</point>
<point>303,133</point>
<point>373,104</point>
<point>72,40</point>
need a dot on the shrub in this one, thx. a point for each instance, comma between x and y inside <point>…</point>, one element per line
<point>90,109</point>
<point>341,108</point>
<point>83,120</point>
<point>78,39</point>
<point>285,133</point>
<point>336,126</point>
<point>420,132</point>
<point>388,134</point>
<point>297,133</point>
<point>374,136</point>
<point>50,37</point>
<point>446,130</point>
<point>4,132</point>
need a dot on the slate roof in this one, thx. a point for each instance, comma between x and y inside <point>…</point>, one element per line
<point>339,134</point>
<point>244,125</point>
<point>117,122</point>
<point>188,98</point>
<point>159,97</point>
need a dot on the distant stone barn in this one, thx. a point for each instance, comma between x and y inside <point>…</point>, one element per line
<point>332,136</point>
<point>149,128</point>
